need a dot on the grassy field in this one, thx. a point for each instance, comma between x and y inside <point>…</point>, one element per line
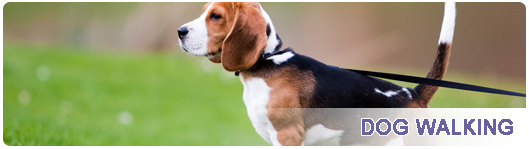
<point>54,95</point>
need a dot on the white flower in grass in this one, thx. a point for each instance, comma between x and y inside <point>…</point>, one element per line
<point>43,73</point>
<point>24,98</point>
<point>125,118</point>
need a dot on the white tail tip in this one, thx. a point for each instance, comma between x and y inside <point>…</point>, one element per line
<point>449,22</point>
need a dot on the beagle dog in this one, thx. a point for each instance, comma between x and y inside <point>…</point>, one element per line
<point>280,84</point>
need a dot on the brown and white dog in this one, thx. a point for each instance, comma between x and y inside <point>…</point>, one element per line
<point>279,83</point>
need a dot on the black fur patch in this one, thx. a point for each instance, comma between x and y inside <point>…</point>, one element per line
<point>268,30</point>
<point>340,88</point>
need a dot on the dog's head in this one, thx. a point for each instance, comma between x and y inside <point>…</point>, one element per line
<point>232,33</point>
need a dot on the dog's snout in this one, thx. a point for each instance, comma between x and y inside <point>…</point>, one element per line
<point>182,32</point>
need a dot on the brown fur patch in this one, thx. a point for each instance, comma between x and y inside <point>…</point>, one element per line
<point>437,72</point>
<point>218,29</point>
<point>414,104</point>
<point>246,39</point>
<point>290,89</point>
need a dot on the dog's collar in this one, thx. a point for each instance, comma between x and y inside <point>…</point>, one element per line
<point>263,57</point>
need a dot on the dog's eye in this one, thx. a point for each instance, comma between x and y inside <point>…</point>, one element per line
<point>215,17</point>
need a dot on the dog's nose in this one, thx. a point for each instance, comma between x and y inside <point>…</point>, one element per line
<point>182,32</point>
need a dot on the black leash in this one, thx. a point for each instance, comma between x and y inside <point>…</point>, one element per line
<point>433,82</point>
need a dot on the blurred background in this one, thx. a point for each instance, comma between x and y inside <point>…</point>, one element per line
<point>113,73</point>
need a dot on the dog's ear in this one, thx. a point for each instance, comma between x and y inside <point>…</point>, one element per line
<point>247,38</point>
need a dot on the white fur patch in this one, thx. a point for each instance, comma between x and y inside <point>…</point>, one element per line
<point>399,141</point>
<point>256,95</point>
<point>391,93</point>
<point>387,93</point>
<point>278,59</point>
<point>407,92</point>
<point>196,40</point>
<point>318,135</point>
<point>449,22</point>
<point>272,39</point>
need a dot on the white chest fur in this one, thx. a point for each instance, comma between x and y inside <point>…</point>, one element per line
<point>256,95</point>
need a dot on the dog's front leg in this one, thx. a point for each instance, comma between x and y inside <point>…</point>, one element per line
<point>289,125</point>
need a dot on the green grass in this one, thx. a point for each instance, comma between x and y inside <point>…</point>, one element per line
<point>76,97</point>
<point>172,100</point>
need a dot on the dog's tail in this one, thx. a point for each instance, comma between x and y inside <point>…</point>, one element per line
<point>438,69</point>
